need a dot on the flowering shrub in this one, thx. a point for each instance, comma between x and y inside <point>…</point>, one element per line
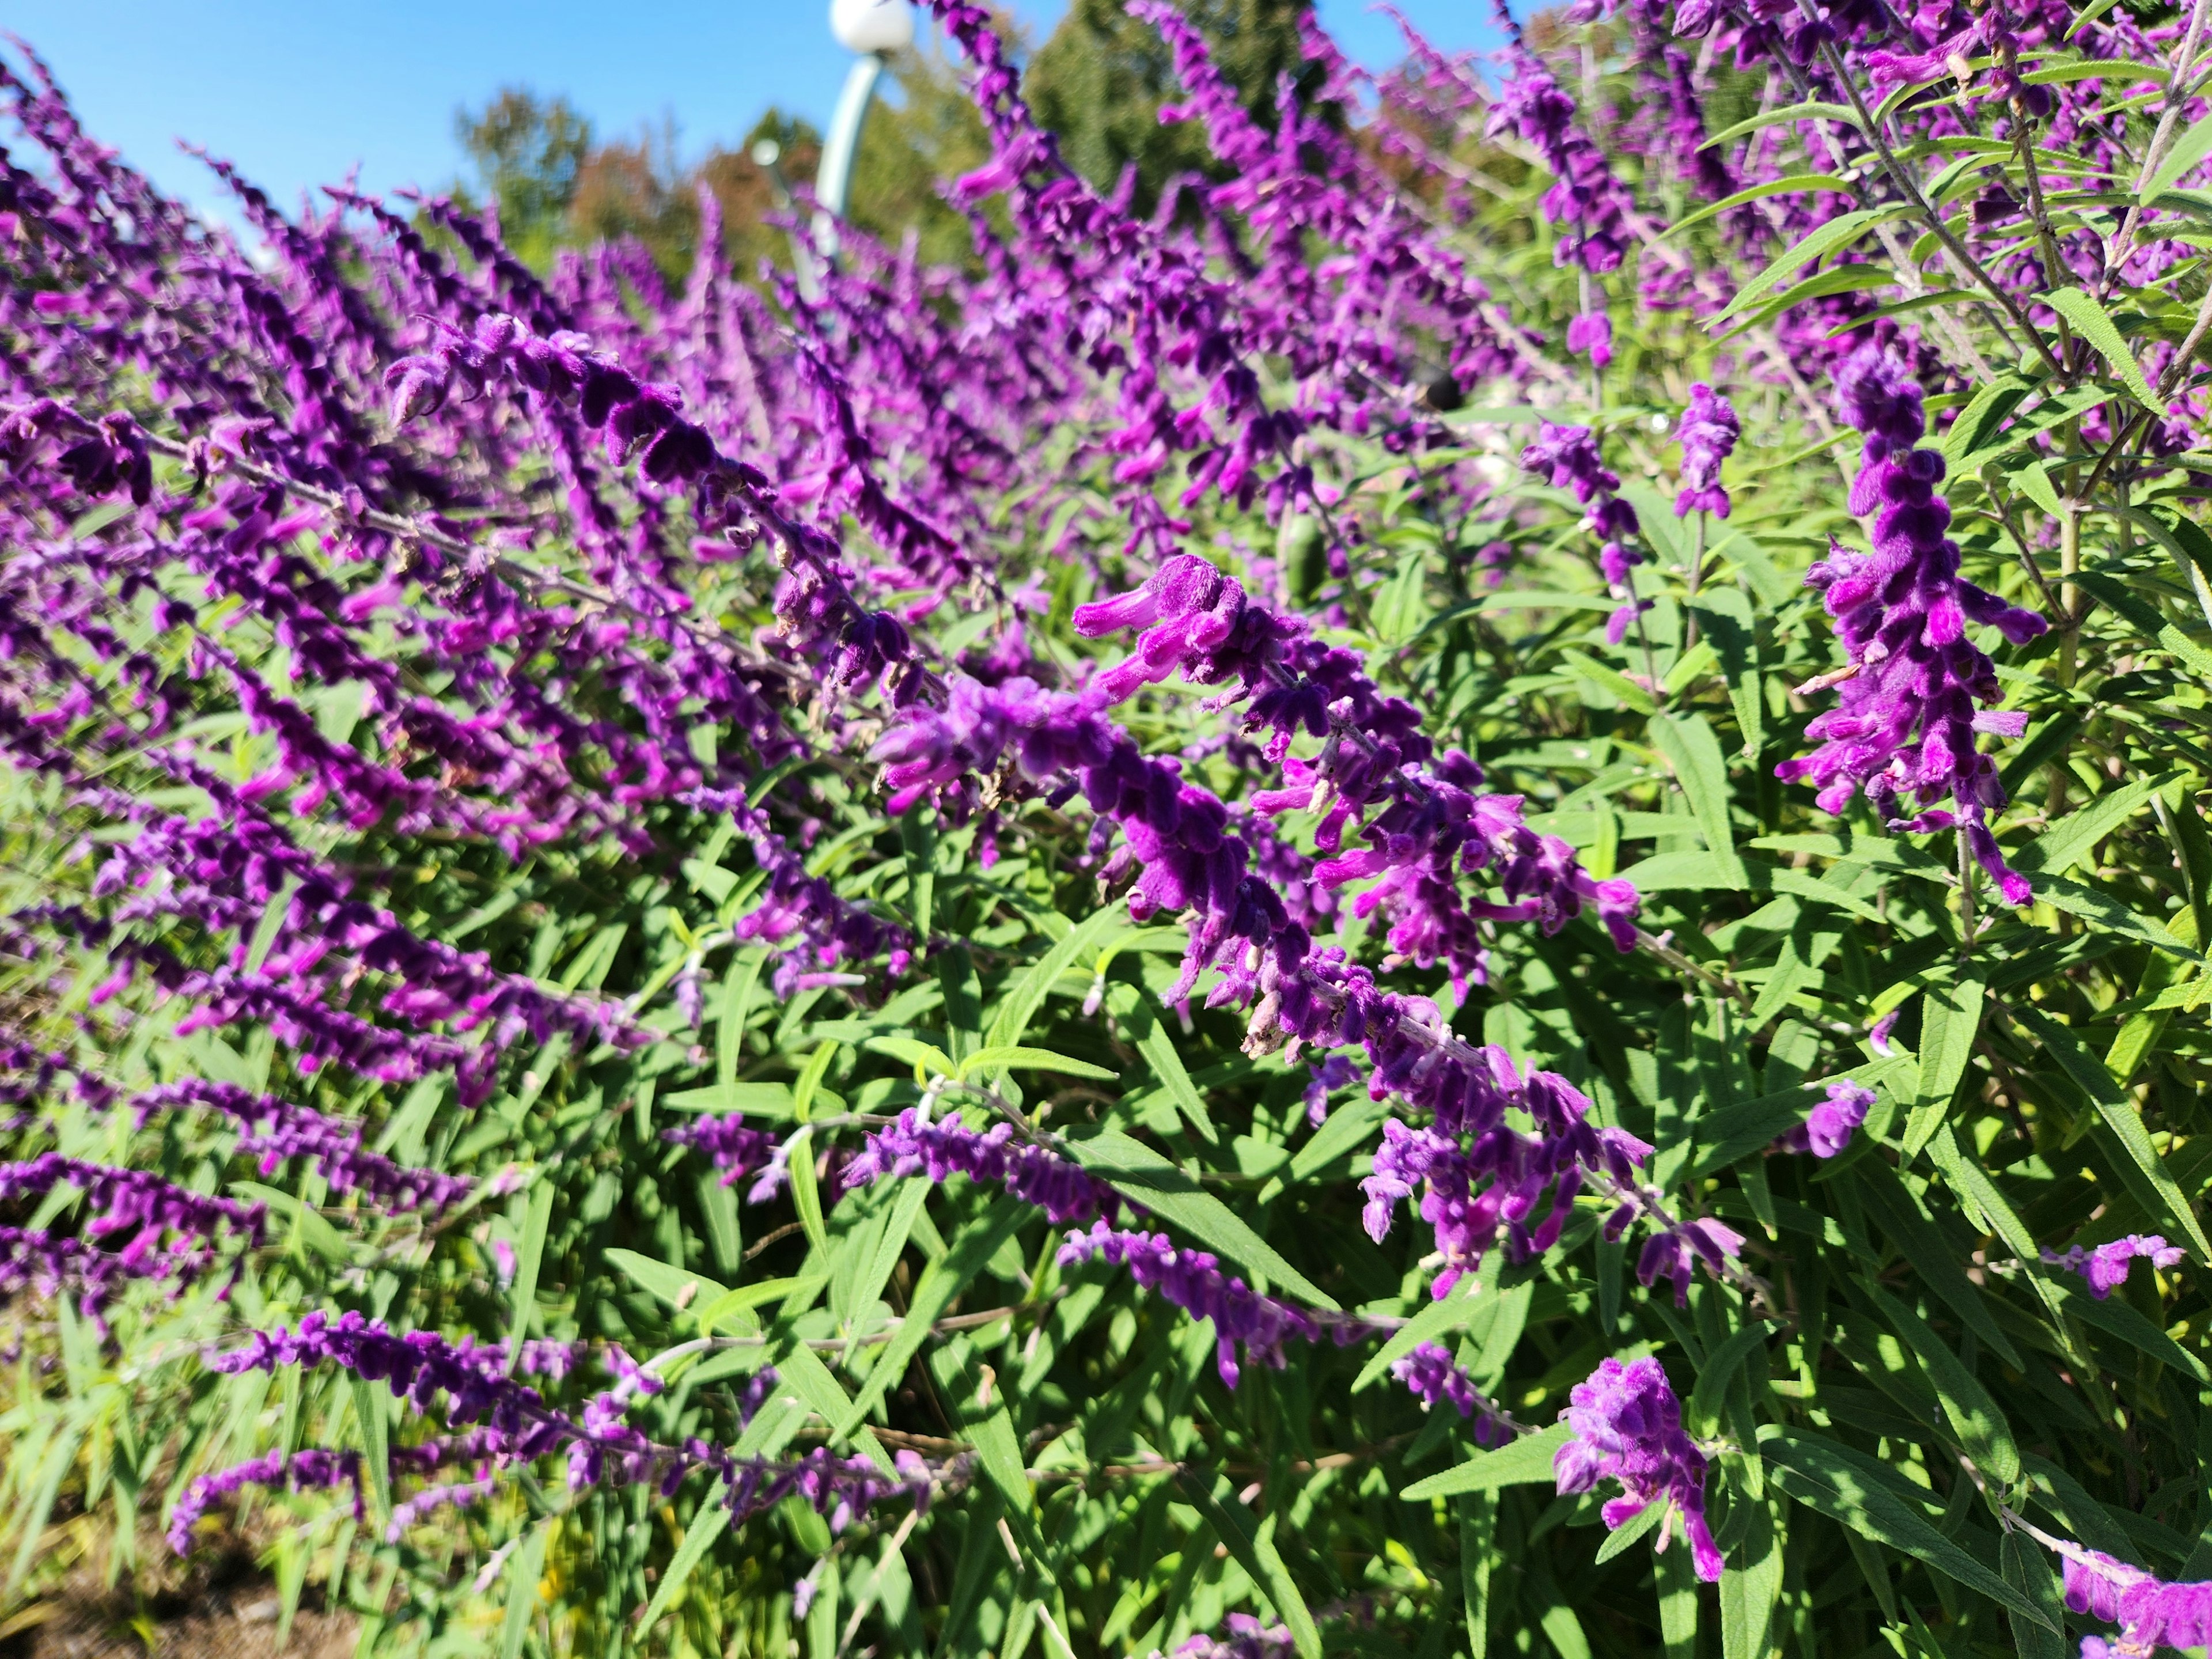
<point>917,960</point>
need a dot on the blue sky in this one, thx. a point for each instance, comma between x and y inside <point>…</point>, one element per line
<point>297,91</point>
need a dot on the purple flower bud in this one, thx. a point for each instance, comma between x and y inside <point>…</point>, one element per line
<point>1827,1128</point>
<point>1627,1426</point>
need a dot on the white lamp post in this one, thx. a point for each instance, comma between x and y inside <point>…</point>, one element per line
<point>872,30</point>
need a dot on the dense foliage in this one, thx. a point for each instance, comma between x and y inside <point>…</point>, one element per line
<point>1453,901</point>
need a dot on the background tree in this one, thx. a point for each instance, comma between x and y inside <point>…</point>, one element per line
<point>1099,80</point>
<point>529,155</point>
<point>555,186</point>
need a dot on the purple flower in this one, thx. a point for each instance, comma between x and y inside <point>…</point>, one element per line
<point>1677,1248</point>
<point>2105,1266</point>
<point>735,1148</point>
<point>1432,1375</point>
<point>1905,728</point>
<point>1827,1128</point>
<point>1708,432</point>
<point>2152,1614</point>
<point>1625,1424</point>
<point>1481,1180</point>
<point>1334,1072</point>
<point>1591,335</point>
<point>1247,1638</point>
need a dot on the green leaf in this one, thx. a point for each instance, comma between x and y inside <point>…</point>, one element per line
<point>679,1287</point>
<point>1749,1593</point>
<point>1710,1397</point>
<point>1136,1171</point>
<point>1949,1016</point>
<point>1796,183</point>
<point>2191,146</point>
<point>911,1051</point>
<point>309,1226</point>
<point>1814,244</point>
<point>940,1282</point>
<point>522,1300</point>
<point>1401,603</point>
<point>2125,1122</point>
<point>1253,1548</point>
<point>1524,1463</point>
<point>1694,755</point>
<point>1972,1183</point>
<point>2120,599</point>
<point>2108,913</point>
<point>771,1100</point>
<point>60,1458</point>
<point>1611,680</point>
<point>1349,1129</point>
<point>709,1523</point>
<point>1921,1245</point>
<point>1810,112</point>
<point>2026,1571</point>
<point>1478,1558</point>
<point>2094,324</point>
<point>998,1453</point>
<point>1979,421</point>
<point>799,1163</point>
<point>1677,1581</point>
<point>809,1379</point>
<point>2058,849</point>
<point>91,523</point>
<point>271,924</point>
<point>524,1569</point>
<point>1618,1543</point>
<point>1019,1004</point>
<point>2034,482</point>
<point>1160,1051</point>
<point>1011,1058</point>
<point>2116,1318</point>
<point>1827,1479</point>
<point>375,1431</point>
<point>1980,1424</point>
<point>1685,872</point>
<point>802,1289</point>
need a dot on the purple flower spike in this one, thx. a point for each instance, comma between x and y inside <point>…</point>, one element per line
<point>1905,727</point>
<point>1192,1280</point>
<point>1827,1128</point>
<point>1709,429</point>
<point>1568,456</point>
<point>2106,1266</point>
<point>302,1471</point>
<point>1588,201</point>
<point>1627,1426</point>
<point>1066,1192</point>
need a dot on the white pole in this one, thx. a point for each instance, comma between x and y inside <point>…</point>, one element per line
<point>872,30</point>
<point>833,186</point>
